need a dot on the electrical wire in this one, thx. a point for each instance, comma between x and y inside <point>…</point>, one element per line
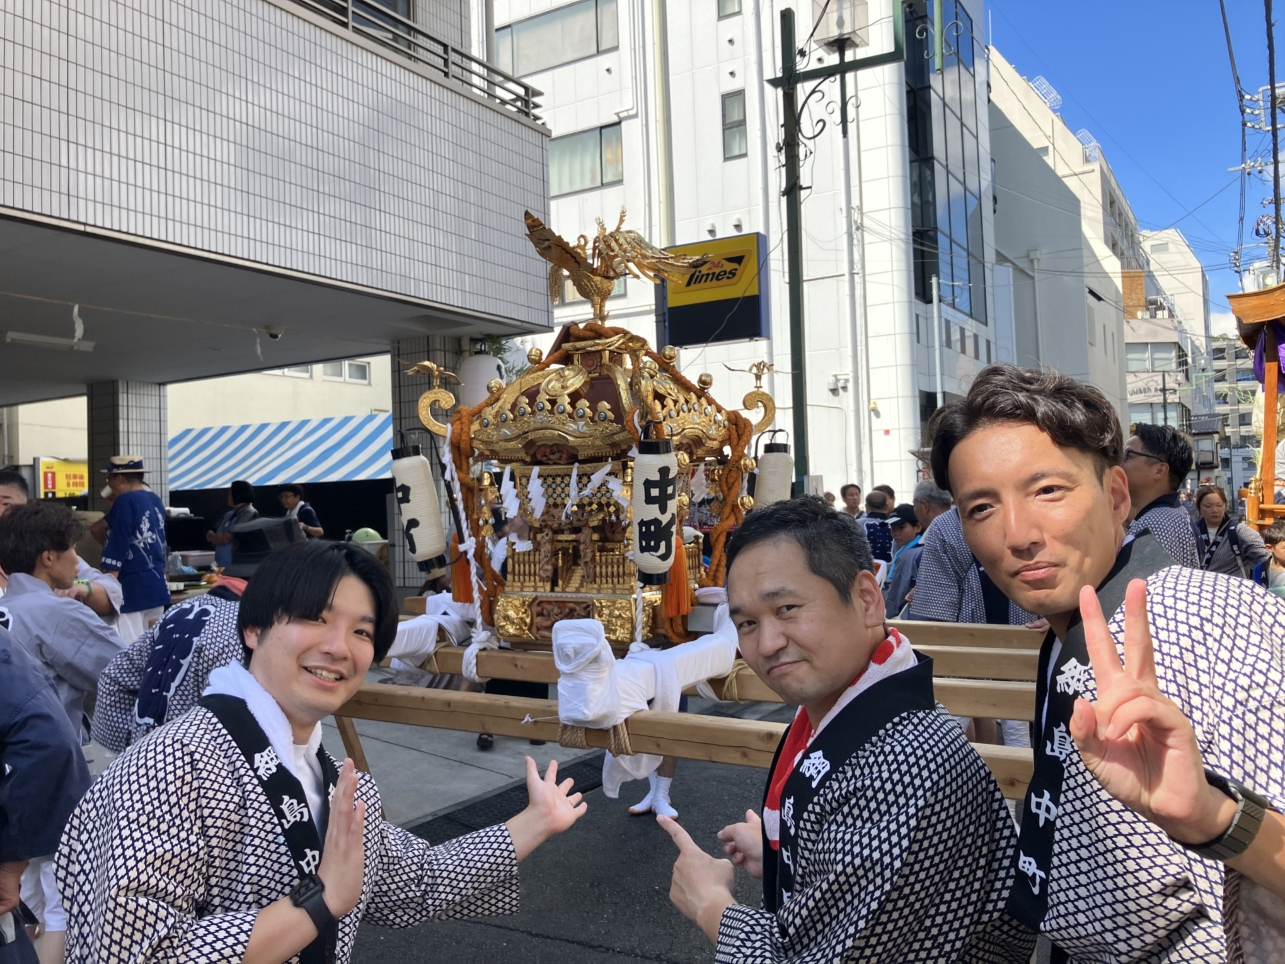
<point>1240,108</point>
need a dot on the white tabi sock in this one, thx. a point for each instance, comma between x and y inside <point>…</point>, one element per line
<point>660,798</point>
<point>644,805</point>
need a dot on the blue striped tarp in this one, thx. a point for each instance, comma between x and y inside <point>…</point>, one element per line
<point>342,449</point>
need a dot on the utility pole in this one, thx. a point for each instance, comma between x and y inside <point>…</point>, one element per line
<point>1276,147</point>
<point>1164,396</point>
<point>794,250</point>
<point>937,340</point>
<point>788,83</point>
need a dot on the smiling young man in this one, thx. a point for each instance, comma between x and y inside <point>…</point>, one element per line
<point>883,836</point>
<point>204,841</point>
<point>1157,459</point>
<point>1034,461</point>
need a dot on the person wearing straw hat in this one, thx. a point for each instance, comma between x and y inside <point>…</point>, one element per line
<point>163,674</point>
<point>135,550</point>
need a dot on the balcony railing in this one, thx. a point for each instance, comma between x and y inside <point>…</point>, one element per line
<point>393,31</point>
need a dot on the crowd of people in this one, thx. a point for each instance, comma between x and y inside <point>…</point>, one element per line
<point>1151,829</point>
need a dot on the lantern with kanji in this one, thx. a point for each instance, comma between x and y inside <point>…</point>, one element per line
<point>655,510</point>
<point>419,508</point>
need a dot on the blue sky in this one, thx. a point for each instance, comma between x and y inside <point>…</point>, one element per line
<point>1151,81</point>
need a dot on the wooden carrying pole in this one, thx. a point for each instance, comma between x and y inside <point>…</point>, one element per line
<point>1260,507</point>
<point>690,736</point>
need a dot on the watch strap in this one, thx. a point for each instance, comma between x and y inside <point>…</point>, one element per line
<point>1250,811</point>
<point>310,894</point>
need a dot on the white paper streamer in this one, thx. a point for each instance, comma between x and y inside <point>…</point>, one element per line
<point>535,493</point>
<point>572,494</point>
<point>509,494</point>
<point>700,488</point>
<point>467,543</point>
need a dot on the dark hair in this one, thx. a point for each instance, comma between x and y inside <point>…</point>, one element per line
<point>886,490</point>
<point>1072,414</point>
<point>1170,446</point>
<point>1274,534</point>
<point>834,543</point>
<point>8,477</point>
<point>242,492</point>
<point>843,490</point>
<point>32,528</point>
<point>1202,492</point>
<point>298,582</point>
<point>292,488</point>
<point>878,501</point>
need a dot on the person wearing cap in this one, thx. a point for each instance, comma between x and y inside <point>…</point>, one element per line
<point>907,547</point>
<point>291,499</point>
<point>240,511</point>
<point>162,675</point>
<point>135,550</point>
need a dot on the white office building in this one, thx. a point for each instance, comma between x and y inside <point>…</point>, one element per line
<point>664,108</point>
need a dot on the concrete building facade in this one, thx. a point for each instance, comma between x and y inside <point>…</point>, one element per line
<point>1065,235</point>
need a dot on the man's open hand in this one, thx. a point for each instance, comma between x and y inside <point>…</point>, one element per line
<point>552,809</point>
<point>743,844</point>
<point>1134,739</point>
<point>702,886</point>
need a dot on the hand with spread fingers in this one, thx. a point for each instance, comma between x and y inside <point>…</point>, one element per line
<point>343,857</point>
<point>702,885</point>
<point>1134,739</point>
<point>552,809</point>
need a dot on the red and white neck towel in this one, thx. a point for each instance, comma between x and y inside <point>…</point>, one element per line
<point>891,656</point>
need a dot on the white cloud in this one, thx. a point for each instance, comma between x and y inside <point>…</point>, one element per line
<point>1222,323</point>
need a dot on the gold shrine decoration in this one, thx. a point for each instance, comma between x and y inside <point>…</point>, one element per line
<point>615,254</point>
<point>757,397</point>
<point>437,395</point>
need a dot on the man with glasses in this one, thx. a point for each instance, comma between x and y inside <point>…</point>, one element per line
<point>1156,460</point>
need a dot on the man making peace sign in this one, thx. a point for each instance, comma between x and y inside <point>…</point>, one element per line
<point>1122,850</point>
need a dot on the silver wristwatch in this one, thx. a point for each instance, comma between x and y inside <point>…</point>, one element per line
<point>1250,811</point>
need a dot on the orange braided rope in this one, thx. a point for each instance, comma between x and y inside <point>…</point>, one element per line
<point>740,429</point>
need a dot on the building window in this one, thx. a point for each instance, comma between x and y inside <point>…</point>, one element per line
<point>1160,247</point>
<point>558,36</point>
<point>734,142</point>
<point>988,351</point>
<point>728,8</point>
<point>294,371</point>
<point>357,372</point>
<point>589,159</point>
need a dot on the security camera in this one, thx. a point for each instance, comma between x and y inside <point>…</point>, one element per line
<point>273,332</point>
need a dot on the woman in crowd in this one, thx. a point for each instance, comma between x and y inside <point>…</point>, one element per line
<point>1224,544</point>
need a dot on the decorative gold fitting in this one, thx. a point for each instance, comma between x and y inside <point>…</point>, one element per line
<point>746,502</point>
<point>748,464</point>
<point>669,353</point>
<point>494,386</point>
<point>705,380</point>
<point>534,356</point>
<point>684,460</point>
<point>684,500</point>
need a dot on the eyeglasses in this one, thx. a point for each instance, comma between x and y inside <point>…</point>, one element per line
<point>1130,453</point>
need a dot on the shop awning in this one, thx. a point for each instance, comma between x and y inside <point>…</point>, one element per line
<point>342,449</point>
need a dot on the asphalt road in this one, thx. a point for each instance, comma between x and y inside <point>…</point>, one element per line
<point>597,894</point>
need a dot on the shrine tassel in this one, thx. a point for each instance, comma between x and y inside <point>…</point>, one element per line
<point>676,594</point>
<point>461,584</point>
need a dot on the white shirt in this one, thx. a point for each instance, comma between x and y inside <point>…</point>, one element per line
<point>300,759</point>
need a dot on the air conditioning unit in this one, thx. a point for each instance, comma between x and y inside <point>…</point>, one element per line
<point>841,23</point>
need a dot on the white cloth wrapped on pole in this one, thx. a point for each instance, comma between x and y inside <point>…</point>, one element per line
<point>587,694</point>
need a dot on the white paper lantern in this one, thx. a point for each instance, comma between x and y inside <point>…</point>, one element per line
<point>655,511</point>
<point>419,507</point>
<point>475,372</point>
<point>775,474</point>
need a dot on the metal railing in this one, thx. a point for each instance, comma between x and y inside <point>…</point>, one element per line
<point>391,30</point>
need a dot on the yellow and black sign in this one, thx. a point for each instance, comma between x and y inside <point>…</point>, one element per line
<point>60,479</point>
<point>726,299</point>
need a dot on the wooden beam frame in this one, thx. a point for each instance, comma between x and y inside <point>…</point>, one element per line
<point>686,735</point>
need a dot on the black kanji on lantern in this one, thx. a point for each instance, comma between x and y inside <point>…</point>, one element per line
<point>660,491</point>
<point>653,534</point>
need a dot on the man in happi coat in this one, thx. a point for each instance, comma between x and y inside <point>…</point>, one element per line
<point>204,842</point>
<point>1034,460</point>
<point>883,835</point>
<point>1157,459</point>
